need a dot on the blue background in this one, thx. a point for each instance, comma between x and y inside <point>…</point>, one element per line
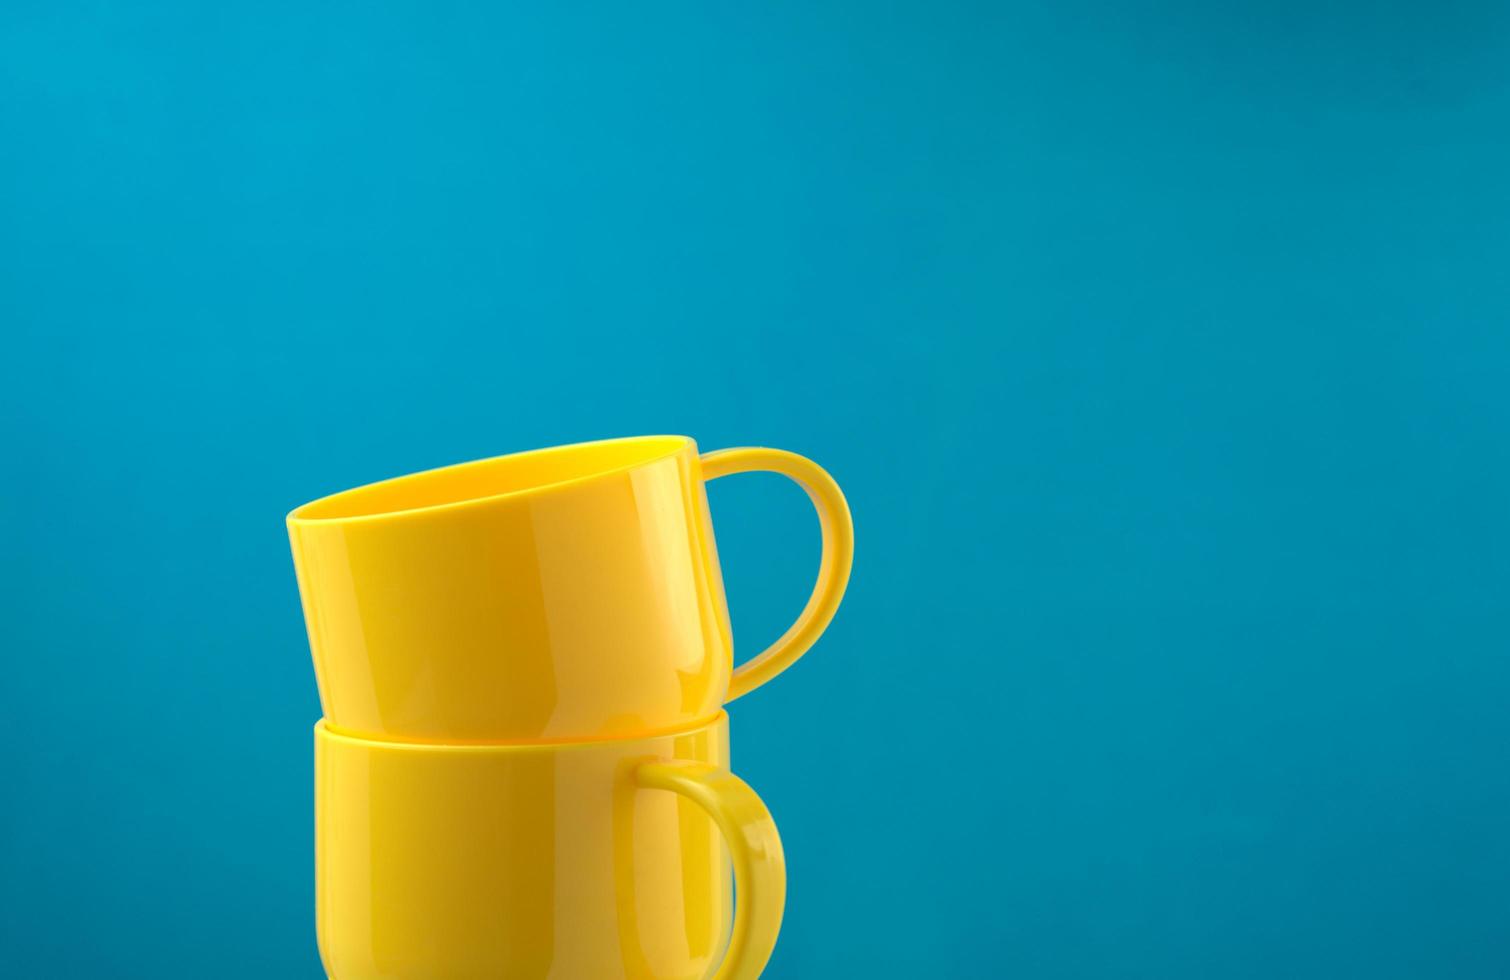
<point>1162,349</point>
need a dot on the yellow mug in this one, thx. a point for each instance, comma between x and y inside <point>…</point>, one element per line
<point>579,861</point>
<point>564,593</point>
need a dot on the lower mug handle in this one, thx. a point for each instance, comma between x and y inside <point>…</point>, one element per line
<point>759,864</point>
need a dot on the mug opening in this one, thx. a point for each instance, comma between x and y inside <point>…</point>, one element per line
<point>500,476</point>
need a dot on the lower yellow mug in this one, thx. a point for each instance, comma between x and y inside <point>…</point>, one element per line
<point>573,861</point>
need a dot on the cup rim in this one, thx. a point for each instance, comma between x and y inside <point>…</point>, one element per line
<point>670,446</point>
<point>323,729</point>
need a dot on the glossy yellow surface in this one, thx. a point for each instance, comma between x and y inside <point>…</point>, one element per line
<point>582,861</point>
<point>559,594</point>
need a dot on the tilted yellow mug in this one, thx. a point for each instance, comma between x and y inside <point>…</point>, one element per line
<point>578,861</point>
<point>558,594</point>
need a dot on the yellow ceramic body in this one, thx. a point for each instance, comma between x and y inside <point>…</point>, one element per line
<point>581,861</point>
<point>560,594</point>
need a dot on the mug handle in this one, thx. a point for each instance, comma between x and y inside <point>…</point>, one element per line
<point>759,863</point>
<point>833,569</point>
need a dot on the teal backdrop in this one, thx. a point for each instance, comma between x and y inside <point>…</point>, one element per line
<point>1163,350</point>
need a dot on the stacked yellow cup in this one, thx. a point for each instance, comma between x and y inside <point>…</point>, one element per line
<point>523,766</point>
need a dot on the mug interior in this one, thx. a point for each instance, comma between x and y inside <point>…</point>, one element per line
<point>499,476</point>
